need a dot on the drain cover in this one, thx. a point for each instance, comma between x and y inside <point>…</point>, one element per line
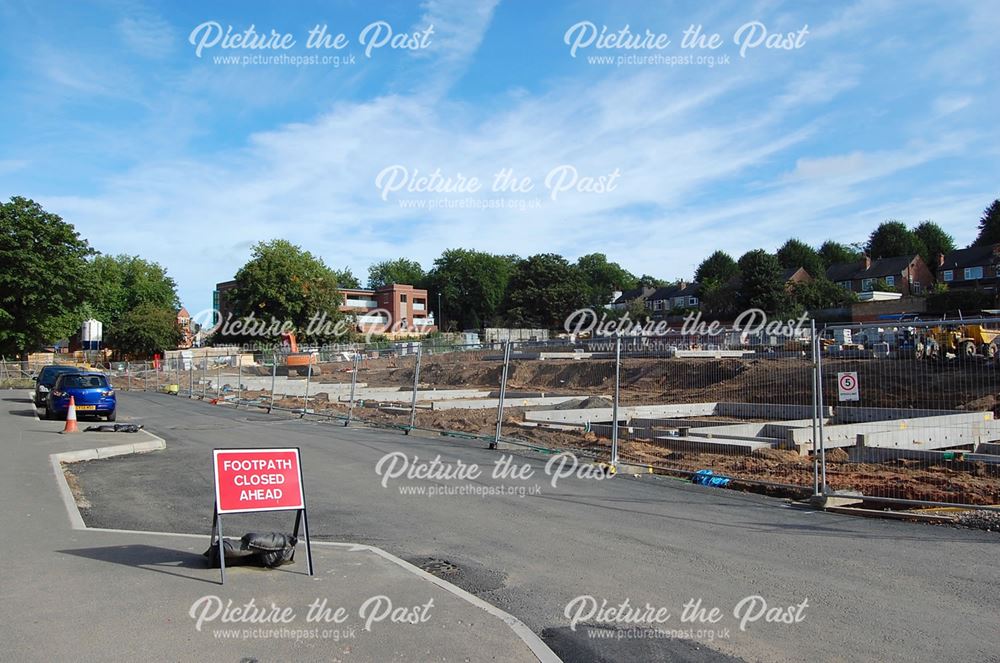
<point>438,567</point>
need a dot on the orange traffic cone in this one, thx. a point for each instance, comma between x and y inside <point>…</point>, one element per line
<point>71,418</point>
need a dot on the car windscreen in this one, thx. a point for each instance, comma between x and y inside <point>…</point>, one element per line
<point>83,382</point>
<point>50,373</point>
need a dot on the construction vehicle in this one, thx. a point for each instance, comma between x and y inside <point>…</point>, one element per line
<point>963,341</point>
<point>298,362</point>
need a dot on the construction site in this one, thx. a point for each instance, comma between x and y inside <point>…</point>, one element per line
<point>920,431</point>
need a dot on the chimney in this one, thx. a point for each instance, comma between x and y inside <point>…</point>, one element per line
<point>682,285</point>
<point>866,262</point>
<point>939,260</point>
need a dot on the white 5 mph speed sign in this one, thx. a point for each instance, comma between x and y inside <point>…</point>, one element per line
<point>847,386</point>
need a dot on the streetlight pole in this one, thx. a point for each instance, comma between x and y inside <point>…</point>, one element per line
<point>440,316</point>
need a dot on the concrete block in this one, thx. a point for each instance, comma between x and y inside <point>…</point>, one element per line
<point>712,445</point>
<point>768,411</point>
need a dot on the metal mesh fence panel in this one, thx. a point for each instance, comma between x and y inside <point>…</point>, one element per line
<point>913,411</point>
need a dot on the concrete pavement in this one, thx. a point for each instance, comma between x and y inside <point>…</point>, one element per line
<point>876,589</point>
<point>97,595</point>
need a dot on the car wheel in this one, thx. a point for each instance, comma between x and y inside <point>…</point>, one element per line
<point>113,415</point>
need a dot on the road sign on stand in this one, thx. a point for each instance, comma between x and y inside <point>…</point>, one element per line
<point>847,387</point>
<point>250,480</point>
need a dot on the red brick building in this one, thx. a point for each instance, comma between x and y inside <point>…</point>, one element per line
<point>395,308</point>
<point>392,308</point>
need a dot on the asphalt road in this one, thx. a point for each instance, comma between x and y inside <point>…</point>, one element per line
<point>875,590</point>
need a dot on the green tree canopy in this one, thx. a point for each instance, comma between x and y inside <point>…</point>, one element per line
<point>935,241</point>
<point>283,282</point>
<point>472,286</point>
<point>602,278</point>
<point>145,330</point>
<point>718,267</point>
<point>647,281</point>
<point>989,225</point>
<point>43,276</point>
<point>795,253</point>
<point>544,289</point>
<point>123,283</point>
<point>346,278</point>
<point>821,293</point>
<point>893,238</point>
<point>833,253</point>
<point>400,270</point>
<point>761,284</point>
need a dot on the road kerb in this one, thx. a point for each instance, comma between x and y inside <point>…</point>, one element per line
<point>537,646</point>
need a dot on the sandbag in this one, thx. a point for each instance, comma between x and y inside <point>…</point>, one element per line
<point>268,549</point>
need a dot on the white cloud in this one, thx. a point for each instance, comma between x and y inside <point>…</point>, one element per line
<point>149,36</point>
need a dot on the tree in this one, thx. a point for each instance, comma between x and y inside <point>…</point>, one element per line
<point>989,225</point>
<point>283,283</point>
<point>400,270</point>
<point>761,284</point>
<point>602,278</point>
<point>146,330</point>
<point>44,276</point>
<point>123,283</point>
<point>647,281</point>
<point>833,253</point>
<point>935,240</point>
<point>472,285</point>
<point>346,278</point>
<point>893,238</point>
<point>795,253</point>
<point>718,267</point>
<point>821,293</point>
<point>544,290</point>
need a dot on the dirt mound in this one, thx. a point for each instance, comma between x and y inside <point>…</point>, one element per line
<point>590,403</point>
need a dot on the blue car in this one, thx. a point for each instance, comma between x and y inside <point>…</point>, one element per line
<point>91,392</point>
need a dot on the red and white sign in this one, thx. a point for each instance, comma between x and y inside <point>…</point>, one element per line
<point>258,480</point>
<point>847,386</point>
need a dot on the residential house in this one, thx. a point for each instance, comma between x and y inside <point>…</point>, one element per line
<point>907,274</point>
<point>669,298</point>
<point>974,267</point>
<point>628,296</point>
<point>795,275</point>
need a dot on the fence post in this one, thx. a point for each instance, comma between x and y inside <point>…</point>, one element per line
<point>239,379</point>
<point>503,393</point>
<point>274,375</point>
<point>413,400</point>
<point>128,372</point>
<point>813,345</point>
<point>305,404</point>
<point>156,377</point>
<point>354,383</point>
<point>614,403</point>
<point>191,377</point>
<point>218,385</point>
<point>819,397</point>
<point>145,378</point>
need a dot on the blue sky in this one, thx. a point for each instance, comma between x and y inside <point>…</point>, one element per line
<point>882,110</point>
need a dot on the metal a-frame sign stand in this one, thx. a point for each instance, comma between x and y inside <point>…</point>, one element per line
<point>224,503</point>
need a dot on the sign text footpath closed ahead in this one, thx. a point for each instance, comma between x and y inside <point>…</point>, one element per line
<point>258,480</point>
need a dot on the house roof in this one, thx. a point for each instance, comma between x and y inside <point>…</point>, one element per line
<point>628,295</point>
<point>971,257</point>
<point>671,291</point>
<point>850,271</point>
